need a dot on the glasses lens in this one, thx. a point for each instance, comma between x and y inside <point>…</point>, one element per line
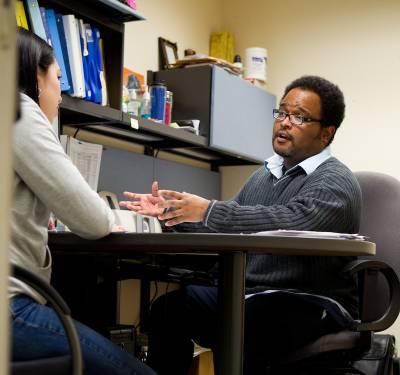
<point>279,115</point>
<point>296,119</point>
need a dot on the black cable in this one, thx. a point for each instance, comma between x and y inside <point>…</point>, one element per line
<point>155,293</point>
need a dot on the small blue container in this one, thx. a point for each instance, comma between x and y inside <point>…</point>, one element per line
<point>158,94</point>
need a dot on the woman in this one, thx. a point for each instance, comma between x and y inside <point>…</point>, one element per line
<point>45,180</point>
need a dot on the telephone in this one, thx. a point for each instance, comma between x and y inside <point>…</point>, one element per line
<point>130,220</point>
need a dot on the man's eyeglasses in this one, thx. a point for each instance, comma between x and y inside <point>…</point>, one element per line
<point>293,118</point>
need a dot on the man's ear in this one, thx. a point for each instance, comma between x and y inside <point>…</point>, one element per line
<point>327,134</point>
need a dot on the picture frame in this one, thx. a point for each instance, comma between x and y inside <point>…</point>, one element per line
<point>167,52</point>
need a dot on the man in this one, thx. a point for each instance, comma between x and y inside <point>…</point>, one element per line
<point>301,187</point>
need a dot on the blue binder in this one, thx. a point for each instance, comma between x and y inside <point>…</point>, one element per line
<point>94,62</point>
<point>36,19</point>
<point>85,53</point>
<point>45,25</point>
<point>55,42</point>
<point>63,42</point>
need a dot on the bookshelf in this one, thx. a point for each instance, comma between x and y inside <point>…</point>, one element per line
<point>108,121</point>
<point>109,16</point>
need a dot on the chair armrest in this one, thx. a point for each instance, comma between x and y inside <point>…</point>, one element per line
<point>369,269</point>
<point>59,305</point>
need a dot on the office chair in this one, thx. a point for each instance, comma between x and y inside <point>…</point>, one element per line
<point>60,365</point>
<point>360,350</point>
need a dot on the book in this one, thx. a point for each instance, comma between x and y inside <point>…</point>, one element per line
<point>63,42</point>
<point>35,18</point>
<point>73,42</point>
<point>45,25</point>
<point>84,57</point>
<point>58,52</point>
<point>93,62</point>
<point>20,15</point>
<point>103,79</point>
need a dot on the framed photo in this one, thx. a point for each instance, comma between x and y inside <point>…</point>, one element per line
<point>167,52</point>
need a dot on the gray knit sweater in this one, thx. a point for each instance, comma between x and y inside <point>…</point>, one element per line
<point>328,199</point>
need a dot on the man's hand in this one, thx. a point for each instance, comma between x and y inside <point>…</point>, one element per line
<point>187,207</point>
<point>144,204</point>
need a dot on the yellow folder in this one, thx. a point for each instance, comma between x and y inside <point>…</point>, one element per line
<point>222,45</point>
<point>20,15</point>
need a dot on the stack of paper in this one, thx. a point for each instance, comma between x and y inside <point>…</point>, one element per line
<point>86,157</point>
<point>311,234</point>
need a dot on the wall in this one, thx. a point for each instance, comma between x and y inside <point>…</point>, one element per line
<point>7,113</point>
<point>186,22</point>
<point>351,42</point>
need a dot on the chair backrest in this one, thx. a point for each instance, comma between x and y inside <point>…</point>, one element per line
<point>65,364</point>
<point>380,221</point>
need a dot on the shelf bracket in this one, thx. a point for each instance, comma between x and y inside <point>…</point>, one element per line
<point>150,151</point>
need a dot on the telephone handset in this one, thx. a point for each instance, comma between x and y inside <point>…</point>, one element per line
<point>130,220</point>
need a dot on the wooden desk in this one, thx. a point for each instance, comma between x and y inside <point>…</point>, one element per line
<point>232,249</point>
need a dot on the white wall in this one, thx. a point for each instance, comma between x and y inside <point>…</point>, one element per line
<point>354,43</point>
<point>7,111</point>
<point>186,22</point>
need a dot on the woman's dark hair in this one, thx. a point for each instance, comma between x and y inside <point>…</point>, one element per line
<point>332,100</point>
<point>33,54</point>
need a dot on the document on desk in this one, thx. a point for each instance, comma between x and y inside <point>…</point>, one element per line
<point>87,158</point>
<point>312,234</point>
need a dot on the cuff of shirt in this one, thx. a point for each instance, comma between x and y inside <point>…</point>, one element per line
<point>208,212</point>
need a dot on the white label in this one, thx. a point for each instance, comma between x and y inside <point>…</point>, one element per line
<point>134,123</point>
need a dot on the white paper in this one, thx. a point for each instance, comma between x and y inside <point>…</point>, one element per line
<point>87,158</point>
<point>311,234</point>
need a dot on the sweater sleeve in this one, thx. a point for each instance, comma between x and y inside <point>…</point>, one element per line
<point>324,202</point>
<point>42,164</point>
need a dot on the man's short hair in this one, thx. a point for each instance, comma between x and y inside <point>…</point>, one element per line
<point>332,100</point>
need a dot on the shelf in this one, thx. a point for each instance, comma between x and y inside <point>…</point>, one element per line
<point>108,121</point>
<point>79,111</point>
<point>109,13</point>
<point>124,12</point>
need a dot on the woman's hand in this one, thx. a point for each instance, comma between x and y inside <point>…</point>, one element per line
<point>144,204</point>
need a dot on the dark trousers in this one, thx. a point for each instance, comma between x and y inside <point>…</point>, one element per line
<point>274,324</point>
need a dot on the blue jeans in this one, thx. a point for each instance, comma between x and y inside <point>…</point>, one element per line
<point>37,333</point>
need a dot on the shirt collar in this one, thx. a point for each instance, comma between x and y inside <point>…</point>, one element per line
<point>274,163</point>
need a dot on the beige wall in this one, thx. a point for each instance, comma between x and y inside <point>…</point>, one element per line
<point>7,112</point>
<point>186,22</point>
<point>351,42</point>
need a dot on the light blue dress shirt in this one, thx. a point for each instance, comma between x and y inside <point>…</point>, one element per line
<point>274,163</point>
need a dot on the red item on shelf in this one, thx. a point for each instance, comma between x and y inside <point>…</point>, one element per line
<point>131,3</point>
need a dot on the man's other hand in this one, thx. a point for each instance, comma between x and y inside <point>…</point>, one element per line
<point>185,207</point>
